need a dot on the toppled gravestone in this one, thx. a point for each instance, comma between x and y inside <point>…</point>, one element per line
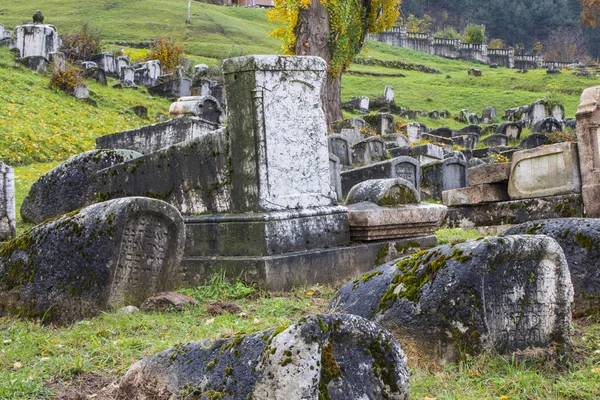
<point>334,356</point>
<point>71,185</point>
<point>498,293</point>
<point>580,241</point>
<point>106,255</point>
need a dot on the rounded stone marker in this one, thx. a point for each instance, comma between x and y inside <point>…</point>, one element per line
<point>384,192</point>
<point>104,256</point>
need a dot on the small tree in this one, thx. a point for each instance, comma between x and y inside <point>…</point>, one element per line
<point>168,51</point>
<point>447,33</point>
<point>418,25</point>
<point>474,34</point>
<point>82,45</point>
<point>496,44</point>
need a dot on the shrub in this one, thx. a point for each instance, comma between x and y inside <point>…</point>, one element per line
<point>418,25</point>
<point>65,80</point>
<point>496,44</point>
<point>168,51</point>
<point>447,33</point>
<point>82,45</point>
<point>474,34</point>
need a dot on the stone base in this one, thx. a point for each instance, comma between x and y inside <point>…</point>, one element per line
<point>369,221</point>
<point>263,234</point>
<point>322,266</point>
<point>473,195</point>
<point>515,212</point>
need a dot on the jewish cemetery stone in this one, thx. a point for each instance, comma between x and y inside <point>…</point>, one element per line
<point>127,76</point>
<point>205,107</point>
<point>534,140</point>
<point>439,176</point>
<point>558,112</point>
<point>80,92</point>
<point>547,125</point>
<point>443,132</point>
<point>106,61</point>
<point>352,135</point>
<point>120,63</point>
<point>510,129</point>
<point>588,137</point>
<point>497,139</point>
<point>103,256</point>
<point>491,173</point>
<point>335,170</point>
<point>473,119</point>
<point>383,123</point>
<point>147,73</point>
<point>368,151</point>
<point>475,72</point>
<point>36,40</point>
<point>8,214</point>
<point>579,239</point>
<point>547,171</point>
<point>403,167</point>
<point>59,61</point>
<point>484,193</point>
<point>388,94</point>
<point>501,294</point>
<point>414,131</point>
<point>468,141</point>
<point>333,356</point>
<point>424,153</point>
<point>395,140</point>
<point>340,147</point>
<point>488,115</point>
<point>469,129</point>
<point>172,87</point>
<point>384,192</point>
<point>76,177</point>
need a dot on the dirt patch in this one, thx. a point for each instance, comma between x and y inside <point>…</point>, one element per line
<point>85,386</point>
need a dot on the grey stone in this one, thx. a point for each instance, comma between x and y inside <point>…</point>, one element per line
<point>511,129</point>
<point>589,154</point>
<point>127,76</point>
<point>71,185</point>
<point>443,132</point>
<point>166,301</point>
<point>395,140</point>
<point>475,72</point>
<point>151,138</point>
<point>36,40</point>
<point>80,92</point>
<point>106,255</point>
<point>468,141</point>
<point>172,87</point>
<point>501,294</point>
<point>403,167</point>
<point>106,61</point>
<point>59,61</point>
<point>205,107</point>
<point>340,147</point>
<point>140,111</point>
<point>335,170</point>
<point>382,123</point>
<point>8,214</point>
<point>388,94</point>
<point>442,175</point>
<point>414,131</point>
<point>36,63</point>
<point>146,73</point>
<point>473,119</point>
<point>534,140</point>
<point>580,241</point>
<point>515,212</point>
<point>496,140</point>
<point>424,153</point>
<point>335,356</point>
<point>384,192</point>
<point>488,115</point>
<point>471,195</point>
<point>368,151</point>
<point>129,309</point>
<point>120,63</point>
<point>475,162</point>
<point>470,129</point>
<point>352,135</point>
<point>547,125</point>
<point>492,173</point>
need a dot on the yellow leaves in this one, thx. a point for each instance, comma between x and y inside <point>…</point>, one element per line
<point>596,370</point>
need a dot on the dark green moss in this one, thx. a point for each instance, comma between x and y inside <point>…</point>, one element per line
<point>365,278</point>
<point>330,370</point>
<point>382,253</point>
<point>584,241</point>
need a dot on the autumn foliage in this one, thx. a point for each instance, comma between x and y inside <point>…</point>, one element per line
<point>168,51</point>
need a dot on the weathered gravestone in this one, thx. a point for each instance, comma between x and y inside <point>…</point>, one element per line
<point>334,356</point>
<point>8,215</point>
<point>127,76</point>
<point>534,140</point>
<point>488,115</point>
<point>497,139</point>
<point>368,151</point>
<point>106,255</point>
<point>580,241</point>
<point>468,140</point>
<point>442,132</point>
<point>388,94</point>
<point>424,153</point>
<point>352,135</point>
<point>499,294</point>
<point>400,167</point>
<point>71,185</point>
<point>510,129</point>
<point>547,125</point>
<point>106,61</point>
<point>147,73</point>
<point>335,170</point>
<point>340,147</point>
<point>120,63</point>
<point>205,107</point>
<point>36,40</point>
<point>382,123</point>
<point>172,87</point>
<point>547,171</point>
<point>588,140</point>
<point>439,176</point>
<point>414,131</point>
<point>384,192</point>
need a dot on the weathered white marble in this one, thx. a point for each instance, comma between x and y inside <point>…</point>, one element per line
<point>36,40</point>
<point>388,94</point>
<point>8,214</point>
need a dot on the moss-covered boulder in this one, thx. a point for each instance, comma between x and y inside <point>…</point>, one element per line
<point>71,185</point>
<point>497,293</point>
<point>334,356</point>
<point>580,241</point>
<point>106,255</point>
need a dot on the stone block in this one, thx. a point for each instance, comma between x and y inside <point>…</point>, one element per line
<point>106,61</point>
<point>352,135</point>
<point>368,221</point>
<point>548,171</point>
<point>147,73</point>
<point>588,142</point>
<point>414,130</point>
<point>491,173</point>
<point>103,256</point>
<point>484,193</point>
<point>36,40</point>
<point>278,133</point>
<point>172,88</point>
<point>510,129</point>
<point>8,213</point>
<point>335,171</point>
<point>368,151</point>
<point>400,167</point>
<point>467,141</point>
<point>151,138</point>
<point>444,175</point>
<point>424,153</point>
<point>205,107</point>
<point>384,192</point>
<point>383,124</point>
<point>388,94</point>
<point>547,125</point>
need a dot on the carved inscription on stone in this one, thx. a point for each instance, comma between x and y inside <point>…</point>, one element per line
<point>141,258</point>
<point>406,171</point>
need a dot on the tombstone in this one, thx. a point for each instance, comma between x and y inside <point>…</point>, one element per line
<point>443,132</point>
<point>104,256</point>
<point>340,147</point>
<point>80,92</point>
<point>8,214</point>
<point>536,112</point>
<point>467,141</point>
<point>383,192</point>
<point>36,63</point>
<point>475,72</point>
<point>120,63</point>
<point>106,61</point>
<point>491,173</point>
<point>488,115</point>
<point>534,140</point>
<point>463,116</point>
<point>439,176</point>
<point>358,122</point>
<point>368,151</point>
<point>434,114</point>
<point>470,129</point>
<point>588,137</point>
<point>558,112</point>
<point>547,125</point>
<point>476,162</point>
<point>410,114</point>
<point>473,119</point>
<point>403,167</point>
<point>382,123</point>
<point>553,71</point>
<point>333,356</point>
<point>36,40</point>
<point>139,111</point>
<point>352,136</point>
<point>396,139</point>
<point>59,61</point>
<point>128,76</point>
<point>388,94</point>
<point>414,131</point>
<point>511,129</point>
<point>200,69</point>
<point>546,171</point>
<point>455,154</point>
<point>424,153</point>
<point>89,65</point>
<point>205,107</point>
<point>571,124</point>
<point>363,104</point>
<point>335,170</point>
<point>172,88</point>
<point>100,77</point>
<point>147,73</point>
<point>444,114</point>
<point>497,140</point>
<point>501,294</point>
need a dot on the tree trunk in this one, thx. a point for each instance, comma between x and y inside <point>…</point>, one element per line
<point>312,39</point>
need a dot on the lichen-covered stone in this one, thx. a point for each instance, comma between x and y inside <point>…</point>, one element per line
<point>498,293</point>
<point>71,185</point>
<point>384,192</point>
<point>580,241</point>
<point>106,255</point>
<point>332,356</point>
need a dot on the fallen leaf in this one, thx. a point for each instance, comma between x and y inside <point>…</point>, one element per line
<point>17,365</point>
<point>210,321</point>
<point>256,321</point>
<point>596,370</point>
